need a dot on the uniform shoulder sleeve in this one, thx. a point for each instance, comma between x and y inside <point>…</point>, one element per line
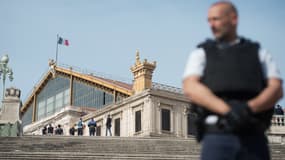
<point>269,67</point>
<point>195,64</point>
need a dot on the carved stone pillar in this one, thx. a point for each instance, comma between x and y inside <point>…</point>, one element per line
<point>11,106</point>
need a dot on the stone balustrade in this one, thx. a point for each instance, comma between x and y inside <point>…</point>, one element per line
<point>278,120</point>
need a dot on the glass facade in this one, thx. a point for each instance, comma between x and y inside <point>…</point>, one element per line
<point>28,115</point>
<point>88,96</point>
<point>53,97</point>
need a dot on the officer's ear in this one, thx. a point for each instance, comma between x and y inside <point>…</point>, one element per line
<point>234,19</point>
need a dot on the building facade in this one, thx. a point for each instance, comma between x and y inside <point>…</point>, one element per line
<point>143,108</point>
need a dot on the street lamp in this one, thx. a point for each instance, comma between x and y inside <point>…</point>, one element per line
<point>5,70</point>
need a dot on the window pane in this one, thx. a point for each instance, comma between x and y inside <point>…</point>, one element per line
<point>66,97</point>
<point>90,96</point>
<point>138,121</point>
<point>50,106</point>
<point>117,127</point>
<point>191,118</point>
<point>98,131</point>
<point>49,97</point>
<point>165,119</point>
<point>41,110</point>
<point>59,101</point>
<point>28,115</point>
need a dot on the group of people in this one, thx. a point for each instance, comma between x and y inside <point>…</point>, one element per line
<point>92,125</point>
<point>50,130</point>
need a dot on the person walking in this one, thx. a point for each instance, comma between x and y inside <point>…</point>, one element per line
<point>108,126</point>
<point>233,85</point>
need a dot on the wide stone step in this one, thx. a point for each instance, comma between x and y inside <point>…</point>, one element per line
<point>101,148</point>
<point>96,156</point>
<point>98,148</point>
<point>119,145</point>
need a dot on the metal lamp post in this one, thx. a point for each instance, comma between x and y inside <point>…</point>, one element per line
<point>4,71</point>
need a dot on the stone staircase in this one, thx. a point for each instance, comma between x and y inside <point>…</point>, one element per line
<point>103,148</point>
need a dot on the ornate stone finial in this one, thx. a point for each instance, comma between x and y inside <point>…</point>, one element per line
<point>142,71</point>
<point>13,92</point>
<point>137,57</point>
<point>51,62</point>
<point>52,65</point>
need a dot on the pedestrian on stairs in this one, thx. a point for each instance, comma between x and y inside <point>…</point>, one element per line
<point>109,125</point>
<point>44,130</point>
<point>50,130</point>
<point>80,127</point>
<point>59,130</point>
<point>92,127</point>
<point>72,130</point>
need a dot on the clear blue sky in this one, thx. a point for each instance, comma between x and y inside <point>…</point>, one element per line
<point>104,34</point>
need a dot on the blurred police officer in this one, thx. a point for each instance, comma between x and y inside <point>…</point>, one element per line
<point>233,84</point>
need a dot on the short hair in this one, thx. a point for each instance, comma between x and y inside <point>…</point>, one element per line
<point>230,4</point>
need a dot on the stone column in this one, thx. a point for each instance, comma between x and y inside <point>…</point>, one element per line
<point>11,106</point>
<point>10,113</point>
<point>185,120</point>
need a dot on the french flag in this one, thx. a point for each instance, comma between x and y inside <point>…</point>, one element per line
<point>63,41</point>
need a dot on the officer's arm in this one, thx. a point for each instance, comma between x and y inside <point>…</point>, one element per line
<point>268,97</point>
<point>203,96</point>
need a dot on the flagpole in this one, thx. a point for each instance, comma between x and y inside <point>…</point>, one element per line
<point>56,49</point>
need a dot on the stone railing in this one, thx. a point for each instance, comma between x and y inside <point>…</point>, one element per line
<point>277,128</point>
<point>278,120</point>
<point>160,86</point>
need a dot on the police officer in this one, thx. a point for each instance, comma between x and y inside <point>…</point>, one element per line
<point>233,84</point>
<point>92,127</point>
<point>80,126</point>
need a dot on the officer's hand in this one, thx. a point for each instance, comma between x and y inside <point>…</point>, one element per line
<point>239,116</point>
